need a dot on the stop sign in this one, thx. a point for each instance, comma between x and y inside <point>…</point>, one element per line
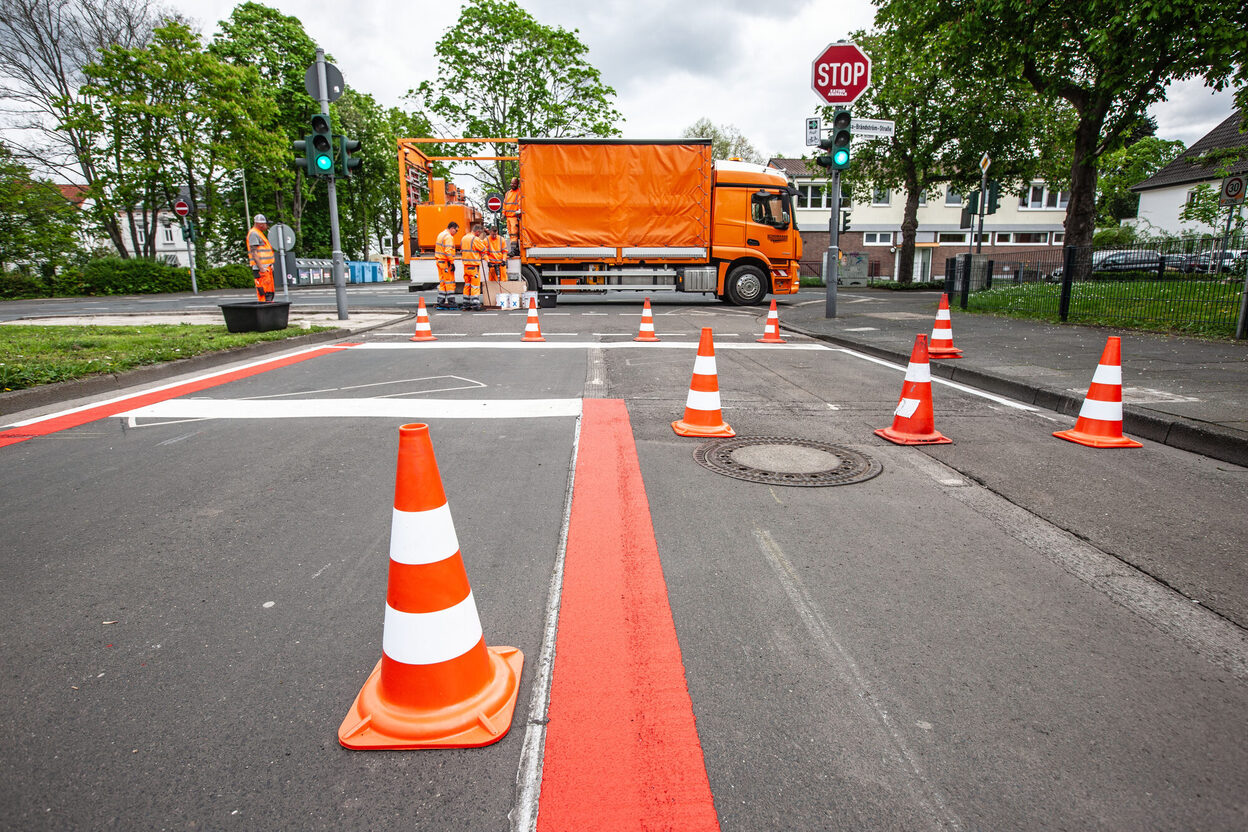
<point>841,73</point>
<point>181,208</point>
<point>494,203</point>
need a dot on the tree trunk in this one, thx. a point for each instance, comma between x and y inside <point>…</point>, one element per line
<point>909,225</point>
<point>1081,211</point>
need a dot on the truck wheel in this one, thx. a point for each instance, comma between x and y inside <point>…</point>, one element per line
<point>746,286</point>
<point>532,277</point>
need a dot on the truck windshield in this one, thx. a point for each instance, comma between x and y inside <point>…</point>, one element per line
<point>770,209</point>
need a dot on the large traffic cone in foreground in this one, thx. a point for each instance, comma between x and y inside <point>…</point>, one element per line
<point>646,331</point>
<point>532,329</point>
<point>423,330</point>
<point>1100,419</point>
<point>942,334</point>
<point>702,412</point>
<point>913,423</point>
<point>771,329</point>
<point>437,684</point>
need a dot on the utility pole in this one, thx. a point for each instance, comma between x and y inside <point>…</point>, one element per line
<point>831,271</point>
<point>340,280</point>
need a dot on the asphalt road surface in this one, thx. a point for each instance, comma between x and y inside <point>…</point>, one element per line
<point>194,586</point>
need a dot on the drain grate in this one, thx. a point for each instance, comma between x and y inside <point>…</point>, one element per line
<point>778,460</point>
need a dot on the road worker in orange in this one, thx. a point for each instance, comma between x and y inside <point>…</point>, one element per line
<point>495,255</point>
<point>511,210</point>
<point>444,257</point>
<point>472,251</point>
<point>260,256</point>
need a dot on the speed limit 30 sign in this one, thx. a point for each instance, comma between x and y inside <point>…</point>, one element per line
<point>1232,190</point>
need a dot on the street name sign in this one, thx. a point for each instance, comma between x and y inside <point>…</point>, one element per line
<point>840,73</point>
<point>873,128</point>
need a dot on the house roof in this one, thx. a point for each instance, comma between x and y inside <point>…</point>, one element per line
<point>75,194</point>
<point>792,167</point>
<point>1187,168</point>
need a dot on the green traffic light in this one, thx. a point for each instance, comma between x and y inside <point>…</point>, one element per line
<point>840,158</point>
<point>324,162</point>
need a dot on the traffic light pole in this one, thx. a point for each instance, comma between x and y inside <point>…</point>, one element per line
<point>831,268</point>
<point>983,206</point>
<point>340,280</point>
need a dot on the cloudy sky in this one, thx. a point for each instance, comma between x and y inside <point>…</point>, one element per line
<point>736,62</point>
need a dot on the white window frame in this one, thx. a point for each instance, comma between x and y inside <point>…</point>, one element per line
<point>803,194</point>
<point>168,233</point>
<point>953,199</point>
<point>1058,238</point>
<point>961,235</point>
<point>1039,196</point>
<point>923,200</point>
<point>877,238</point>
<point>875,197</point>
<point>1008,238</point>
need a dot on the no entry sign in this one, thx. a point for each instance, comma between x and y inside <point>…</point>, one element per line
<point>494,202</point>
<point>181,208</point>
<point>841,73</point>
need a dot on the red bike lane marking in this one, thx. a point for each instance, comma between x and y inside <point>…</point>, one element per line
<point>80,416</point>
<point>622,749</point>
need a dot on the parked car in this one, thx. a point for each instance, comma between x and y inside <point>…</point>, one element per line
<point>1228,260</point>
<point>1120,260</point>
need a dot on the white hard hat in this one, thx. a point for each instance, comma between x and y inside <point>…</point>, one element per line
<point>260,219</point>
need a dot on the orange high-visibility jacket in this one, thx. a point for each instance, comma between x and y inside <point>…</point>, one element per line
<point>444,249</point>
<point>469,252</point>
<point>511,203</point>
<point>259,252</point>
<point>494,253</point>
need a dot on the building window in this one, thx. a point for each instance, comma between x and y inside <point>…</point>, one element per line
<point>877,238</point>
<point>880,196</point>
<point>168,234</point>
<point>1040,197</point>
<point>952,197</point>
<point>811,196</point>
<point>923,199</point>
<point>1059,237</point>
<point>1022,238</point>
<point>951,237</point>
<point>141,235</point>
<point>1191,197</point>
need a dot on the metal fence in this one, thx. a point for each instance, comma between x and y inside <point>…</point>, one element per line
<point>1194,286</point>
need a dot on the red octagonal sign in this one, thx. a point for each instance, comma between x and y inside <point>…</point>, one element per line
<point>841,73</point>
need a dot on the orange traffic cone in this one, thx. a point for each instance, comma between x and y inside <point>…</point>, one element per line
<point>702,413</point>
<point>942,334</point>
<point>532,329</point>
<point>646,332</point>
<point>912,420</point>
<point>1100,419</point>
<point>423,331</point>
<point>771,329</point>
<point>437,684</point>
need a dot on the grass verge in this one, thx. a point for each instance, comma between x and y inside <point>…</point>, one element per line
<point>34,355</point>
<point>1203,308</point>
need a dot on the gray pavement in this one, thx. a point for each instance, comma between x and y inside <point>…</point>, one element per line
<point>1189,393</point>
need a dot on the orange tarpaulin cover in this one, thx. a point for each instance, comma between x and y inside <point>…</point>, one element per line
<point>615,194</point>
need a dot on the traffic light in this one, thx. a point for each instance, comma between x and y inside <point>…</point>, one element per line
<point>841,137</point>
<point>825,160</point>
<point>994,198</point>
<point>844,221</point>
<point>970,207</point>
<point>348,164</point>
<point>321,148</point>
<point>300,147</point>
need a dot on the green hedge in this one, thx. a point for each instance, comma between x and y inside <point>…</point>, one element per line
<point>115,276</point>
<point>233,276</point>
<point>18,285</point>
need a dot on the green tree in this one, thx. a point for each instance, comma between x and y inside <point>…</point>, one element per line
<point>942,130</point>
<point>1204,206</point>
<point>38,226</point>
<point>278,48</point>
<point>1108,60</point>
<point>727,142</point>
<point>174,121</point>
<point>1127,166</point>
<point>502,74</point>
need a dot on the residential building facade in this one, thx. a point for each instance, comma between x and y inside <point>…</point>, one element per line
<point>1164,194</point>
<point>1032,221</point>
<point>170,248</point>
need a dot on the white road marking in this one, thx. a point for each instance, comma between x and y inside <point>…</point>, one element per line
<point>357,409</point>
<point>581,345</point>
<point>962,387</point>
<point>529,775</point>
<point>925,791</point>
<point>469,384</point>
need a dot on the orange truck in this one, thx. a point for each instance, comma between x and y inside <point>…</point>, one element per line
<point>599,215</point>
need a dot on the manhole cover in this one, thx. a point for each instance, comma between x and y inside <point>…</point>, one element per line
<point>777,460</point>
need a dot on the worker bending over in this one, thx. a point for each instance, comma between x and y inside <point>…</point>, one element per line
<point>444,257</point>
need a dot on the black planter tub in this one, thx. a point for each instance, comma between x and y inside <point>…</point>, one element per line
<point>255,316</point>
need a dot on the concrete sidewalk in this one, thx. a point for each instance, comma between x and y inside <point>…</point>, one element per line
<point>1185,392</point>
